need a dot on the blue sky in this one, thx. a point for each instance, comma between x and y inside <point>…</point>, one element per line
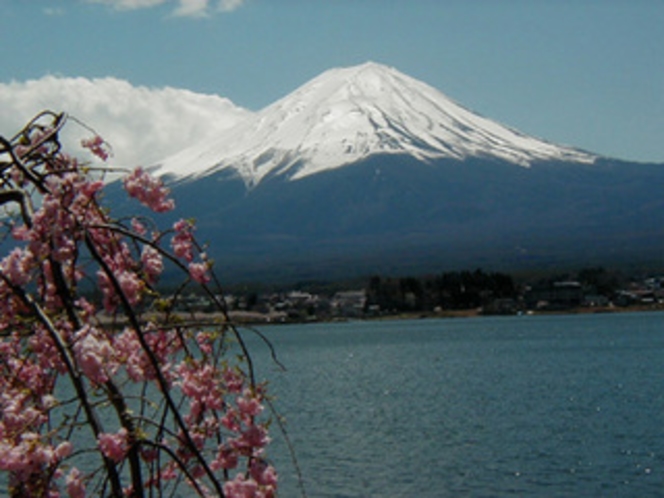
<point>587,73</point>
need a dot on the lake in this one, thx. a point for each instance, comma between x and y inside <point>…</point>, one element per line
<point>495,406</point>
<point>539,406</point>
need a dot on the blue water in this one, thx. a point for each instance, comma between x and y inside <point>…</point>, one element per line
<point>518,406</point>
<point>555,406</point>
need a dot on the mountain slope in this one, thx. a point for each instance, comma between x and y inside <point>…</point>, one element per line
<point>346,115</point>
<point>394,214</point>
<point>366,170</point>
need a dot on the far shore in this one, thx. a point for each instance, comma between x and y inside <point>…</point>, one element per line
<point>257,318</point>
<point>252,318</point>
<point>470,313</point>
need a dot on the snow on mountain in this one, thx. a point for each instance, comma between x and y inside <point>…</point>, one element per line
<point>347,114</point>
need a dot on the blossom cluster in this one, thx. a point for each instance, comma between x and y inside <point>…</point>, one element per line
<point>97,146</point>
<point>71,365</point>
<point>148,190</point>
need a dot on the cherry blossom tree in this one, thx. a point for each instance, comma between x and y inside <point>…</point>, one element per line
<point>120,395</point>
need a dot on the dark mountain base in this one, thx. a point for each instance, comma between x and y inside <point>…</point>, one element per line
<point>396,215</point>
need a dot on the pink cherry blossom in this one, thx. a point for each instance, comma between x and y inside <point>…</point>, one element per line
<point>114,445</point>
<point>263,474</point>
<point>252,440</point>
<point>233,380</point>
<point>138,227</point>
<point>173,389</point>
<point>243,487</point>
<point>240,487</point>
<point>148,191</point>
<point>248,404</point>
<point>63,450</point>
<point>93,352</point>
<point>17,265</point>
<point>227,458</point>
<point>75,485</point>
<point>183,239</point>
<point>231,420</point>
<point>199,272</point>
<point>97,146</point>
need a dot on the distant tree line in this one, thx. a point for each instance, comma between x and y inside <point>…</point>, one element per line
<point>457,290</point>
<point>450,290</point>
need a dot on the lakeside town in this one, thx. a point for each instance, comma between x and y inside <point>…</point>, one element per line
<point>448,295</point>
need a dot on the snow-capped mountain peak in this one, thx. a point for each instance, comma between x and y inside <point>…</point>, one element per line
<point>347,114</point>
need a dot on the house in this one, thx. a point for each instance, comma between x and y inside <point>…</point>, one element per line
<point>555,295</point>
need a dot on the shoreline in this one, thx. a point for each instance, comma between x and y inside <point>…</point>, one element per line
<point>253,318</point>
<point>256,318</point>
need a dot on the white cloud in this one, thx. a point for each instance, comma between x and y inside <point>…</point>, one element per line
<point>129,4</point>
<point>53,11</point>
<point>230,5</point>
<point>184,8</point>
<point>143,125</point>
<point>192,8</point>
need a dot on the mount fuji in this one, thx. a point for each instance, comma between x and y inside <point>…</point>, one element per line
<point>365,170</point>
<point>346,115</point>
